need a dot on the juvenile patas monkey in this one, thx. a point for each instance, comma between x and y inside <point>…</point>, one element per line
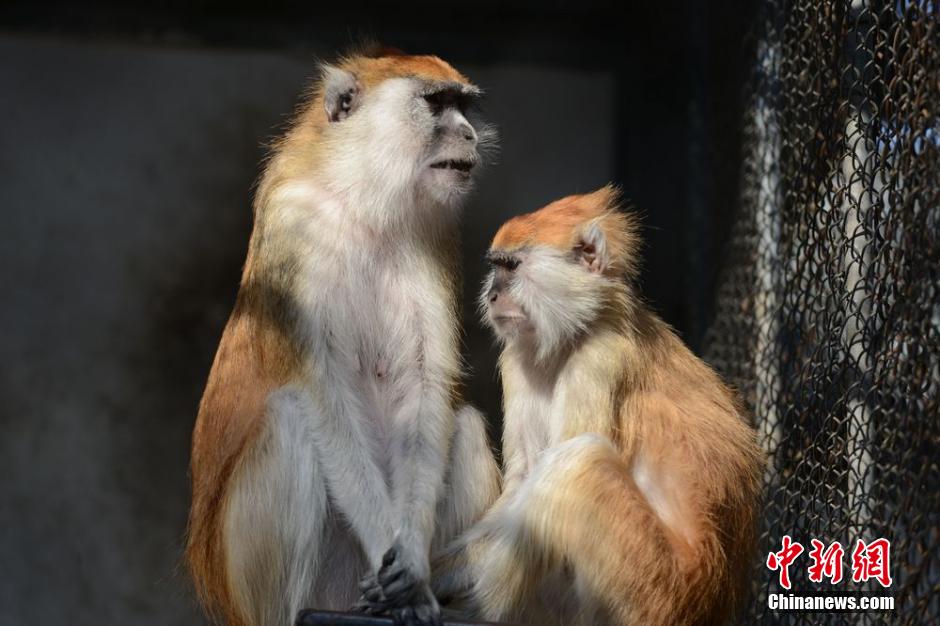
<point>331,445</point>
<point>631,477</point>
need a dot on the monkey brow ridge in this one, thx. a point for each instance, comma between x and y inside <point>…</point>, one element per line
<point>433,85</point>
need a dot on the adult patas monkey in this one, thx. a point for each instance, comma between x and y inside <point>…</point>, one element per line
<point>631,477</point>
<point>331,421</point>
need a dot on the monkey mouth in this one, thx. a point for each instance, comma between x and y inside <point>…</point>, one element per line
<point>454,164</point>
<point>511,325</point>
<point>509,318</point>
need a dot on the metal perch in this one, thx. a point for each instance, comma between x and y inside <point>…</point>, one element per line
<point>310,617</point>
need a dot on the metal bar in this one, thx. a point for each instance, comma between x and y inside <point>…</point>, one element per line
<point>310,617</point>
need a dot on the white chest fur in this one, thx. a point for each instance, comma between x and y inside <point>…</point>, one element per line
<point>535,418</point>
<point>374,310</point>
<point>371,323</point>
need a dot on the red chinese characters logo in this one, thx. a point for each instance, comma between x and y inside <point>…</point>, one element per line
<point>783,559</point>
<point>872,560</point>
<point>826,563</point>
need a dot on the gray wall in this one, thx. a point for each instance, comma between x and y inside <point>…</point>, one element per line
<point>125,187</point>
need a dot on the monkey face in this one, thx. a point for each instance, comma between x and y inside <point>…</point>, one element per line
<point>500,307</point>
<point>406,136</point>
<point>541,296</point>
<point>443,119</point>
<point>554,271</point>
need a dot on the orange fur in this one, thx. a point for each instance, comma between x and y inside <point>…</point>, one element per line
<point>557,225</point>
<point>253,359</point>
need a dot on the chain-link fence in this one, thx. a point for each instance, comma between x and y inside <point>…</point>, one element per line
<point>828,315</point>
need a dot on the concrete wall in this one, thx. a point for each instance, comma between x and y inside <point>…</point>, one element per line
<point>125,187</point>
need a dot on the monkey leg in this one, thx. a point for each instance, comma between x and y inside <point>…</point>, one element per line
<point>581,510</point>
<point>277,534</point>
<point>471,484</point>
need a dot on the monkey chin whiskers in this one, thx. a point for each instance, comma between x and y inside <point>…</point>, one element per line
<point>511,326</point>
<point>447,188</point>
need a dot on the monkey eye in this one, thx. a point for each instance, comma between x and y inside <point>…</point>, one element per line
<point>443,98</point>
<point>435,102</point>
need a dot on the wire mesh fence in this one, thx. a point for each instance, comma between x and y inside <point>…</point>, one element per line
<point>828,313</point>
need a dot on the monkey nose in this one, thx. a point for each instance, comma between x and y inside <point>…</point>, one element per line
<point>493,296</point>
<point>468,133</point>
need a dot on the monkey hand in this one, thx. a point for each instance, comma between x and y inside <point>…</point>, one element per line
<point>455,593</point>
<point>396,589</point>
<point>452,580</point>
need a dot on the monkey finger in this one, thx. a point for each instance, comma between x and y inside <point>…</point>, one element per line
<point>387,577</point>
<point>360,606</point>
<point>372,601</point>
<point>372,608</point>
<point>402,588</point>
<point>389,557</point>
<point>370,589</point>
<point>368,582</point>
<point>374,596</point>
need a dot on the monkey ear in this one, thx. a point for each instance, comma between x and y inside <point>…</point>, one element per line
<point>592,247</point>
<point>340,93</point>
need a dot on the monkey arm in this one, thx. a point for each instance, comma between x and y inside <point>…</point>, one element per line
<point>423,428</point>
<point>580,506</point>
<point>455,567</point>
<point>355,482</point>
<point>421,438</point>
<point>402,585</point>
